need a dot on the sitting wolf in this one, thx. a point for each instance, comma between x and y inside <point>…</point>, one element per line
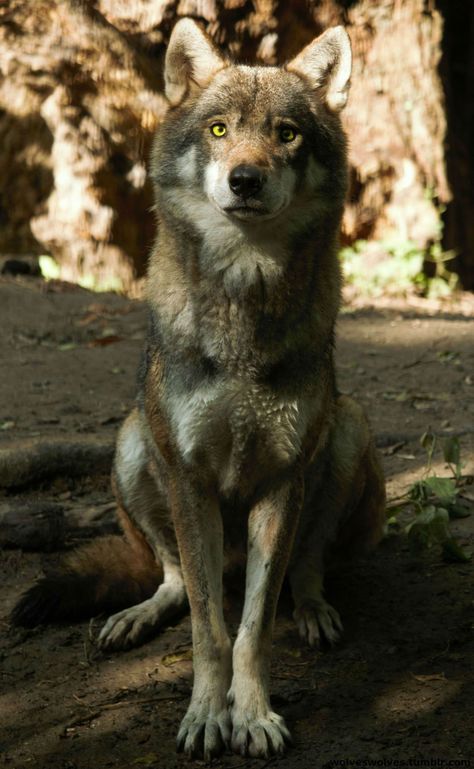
<point>239,432</point>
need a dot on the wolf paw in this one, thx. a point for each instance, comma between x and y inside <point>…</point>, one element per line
<point>138,624</point>
<point>317,620</point>
<point>205,731</point>
<point>259,737</point>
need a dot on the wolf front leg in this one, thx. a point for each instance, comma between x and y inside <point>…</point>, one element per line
<point>205,729</point>
<point>257,730</point>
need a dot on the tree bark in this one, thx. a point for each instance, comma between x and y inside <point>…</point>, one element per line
<point>82,95</point>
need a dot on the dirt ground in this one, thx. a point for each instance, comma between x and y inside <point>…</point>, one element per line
<point>400,685</point>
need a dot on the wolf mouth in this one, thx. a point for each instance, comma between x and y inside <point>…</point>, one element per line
<point>244,211</point>
<point>255,209</point>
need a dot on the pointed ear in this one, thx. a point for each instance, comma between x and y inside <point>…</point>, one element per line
<point>327,63</point>
<point>191,59</point>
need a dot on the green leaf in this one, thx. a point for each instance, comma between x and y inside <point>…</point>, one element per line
<point>418,492</point>
<point>429,526</point>
<point>454,553</point>
<point>452,454</point>
<point>419,537</point>
<point>457,510</point>
<point>431,514</point>
<point>451,450</point>
<point>428,441</point>
<point>442,488</point>
<point>447,356</point>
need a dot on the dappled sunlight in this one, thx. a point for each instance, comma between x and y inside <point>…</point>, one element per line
<point>163,661</point>
<point>412,375</point>
<point>100,693</point>
<point>415,696</point>
<point>49,736</point>
<point>398,482</point>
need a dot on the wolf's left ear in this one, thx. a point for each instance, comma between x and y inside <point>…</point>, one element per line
<point>191,60</point>
<point>327,63</point>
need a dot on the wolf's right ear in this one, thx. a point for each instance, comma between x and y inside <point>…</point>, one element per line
<point>191,60</point>
<point>327,64</point>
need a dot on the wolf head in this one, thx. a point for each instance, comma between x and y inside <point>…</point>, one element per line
<point>253,142</point>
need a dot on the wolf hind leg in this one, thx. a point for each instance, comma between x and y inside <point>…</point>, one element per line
<point>140,489</point>
<point>315,618</point>
<point>345,511</point>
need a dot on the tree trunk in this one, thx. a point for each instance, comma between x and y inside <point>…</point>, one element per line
<point>82,95</point>
<point>457,74</point>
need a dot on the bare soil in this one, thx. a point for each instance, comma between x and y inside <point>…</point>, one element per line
<point>400,685</point>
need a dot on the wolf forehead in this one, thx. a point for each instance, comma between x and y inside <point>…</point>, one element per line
<point>256,94</point>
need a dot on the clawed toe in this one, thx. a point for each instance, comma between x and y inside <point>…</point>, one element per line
<point>261,737</point>
<point>126,629</point>
<point>203,734</point>
<point>139,623</point>
<point>318,621</point>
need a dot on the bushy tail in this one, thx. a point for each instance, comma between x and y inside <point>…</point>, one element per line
<point>104,576</point>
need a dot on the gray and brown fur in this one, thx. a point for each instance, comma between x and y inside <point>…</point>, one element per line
<point>239,423</point>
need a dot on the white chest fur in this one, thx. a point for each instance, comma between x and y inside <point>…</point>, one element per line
<point>231,425</point>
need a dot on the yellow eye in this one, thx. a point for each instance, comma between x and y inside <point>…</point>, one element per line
<point>287,134</point>
<point>218,129</point>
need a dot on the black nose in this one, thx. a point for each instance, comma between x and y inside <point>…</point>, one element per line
<point>246,180</point>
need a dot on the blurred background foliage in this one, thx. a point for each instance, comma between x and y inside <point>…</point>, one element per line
<point>82,93</point>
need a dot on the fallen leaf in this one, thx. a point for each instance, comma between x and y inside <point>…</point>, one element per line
<point>103,341</point>
<point>430,677</point>
<point>87,320</point>
<point>390,395</point>
<point>67,346</point>
<point>171,659</point>
<point>147,760</point>
<point>390,450</point>
<point>422,405</point>
<point>434,396</point>
<point>447,356</point>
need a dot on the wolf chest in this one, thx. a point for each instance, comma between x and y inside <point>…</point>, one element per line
<point>238,431</point>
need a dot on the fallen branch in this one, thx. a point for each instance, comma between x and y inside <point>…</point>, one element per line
<point>43,526</point>
<point>25,462</point>
<point>31,526</point>
<point>96,710</point>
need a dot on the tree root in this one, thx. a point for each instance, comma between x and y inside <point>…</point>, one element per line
<point>26,462</point>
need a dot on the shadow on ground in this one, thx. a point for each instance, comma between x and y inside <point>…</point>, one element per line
<point>400,685</point>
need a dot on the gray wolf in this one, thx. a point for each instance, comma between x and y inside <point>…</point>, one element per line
<point>239,427</point>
